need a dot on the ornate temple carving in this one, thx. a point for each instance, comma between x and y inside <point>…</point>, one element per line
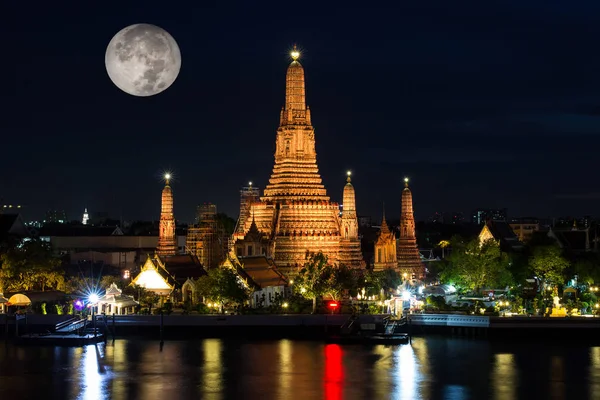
<point>295,213</point>
<point>385,248</point>
<point>409,258</point>
<point>166,235</point>
<point>254,243</point>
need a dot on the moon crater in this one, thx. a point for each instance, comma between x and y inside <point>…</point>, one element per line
<point>143,60</point>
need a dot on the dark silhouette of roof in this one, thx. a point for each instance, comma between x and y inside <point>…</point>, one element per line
<point>12,225</point>
<point>183,267</point>
<point>573,239</point>
<point>502,232</point>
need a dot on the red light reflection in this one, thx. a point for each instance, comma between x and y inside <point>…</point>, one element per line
<point>334,372</point>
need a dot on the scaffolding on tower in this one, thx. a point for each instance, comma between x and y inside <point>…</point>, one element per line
<point>248,195</point>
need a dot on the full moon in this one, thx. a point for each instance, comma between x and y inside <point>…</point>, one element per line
<point>143,60</point>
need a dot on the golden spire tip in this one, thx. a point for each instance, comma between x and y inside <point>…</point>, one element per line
<point>295,53</point>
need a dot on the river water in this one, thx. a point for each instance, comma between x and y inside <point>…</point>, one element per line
<point>429,368</point>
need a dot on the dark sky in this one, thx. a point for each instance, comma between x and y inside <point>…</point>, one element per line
<point>482,104</point>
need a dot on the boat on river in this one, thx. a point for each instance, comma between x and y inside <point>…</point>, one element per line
<point>372,329</point>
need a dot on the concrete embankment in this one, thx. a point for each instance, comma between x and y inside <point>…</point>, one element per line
<point>185,326</point>
<point>506,327</point>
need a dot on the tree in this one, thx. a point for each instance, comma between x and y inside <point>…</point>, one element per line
<point>476,265</point>
<point>221,286</point>
<point>31,266</point>
<point>108,280</point>
<point>338,280</point>
<point>313,278</point>
<point>548,265</point>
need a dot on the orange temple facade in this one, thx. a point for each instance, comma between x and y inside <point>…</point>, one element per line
<point>166,235</point>
<point>385,248</point>
<point>407,252</point>
<point>295,215</point>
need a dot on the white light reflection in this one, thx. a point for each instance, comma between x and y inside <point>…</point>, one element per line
<point>212,370</point>
<point>504,377</point>
<point>93,375</point>
<point>406,373</point>
<point>285,369</point>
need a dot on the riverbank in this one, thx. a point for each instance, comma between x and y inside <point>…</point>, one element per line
<point>300,326</point>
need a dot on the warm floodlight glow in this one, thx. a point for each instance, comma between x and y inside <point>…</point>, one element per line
<point>349,173</point>
<point>167,176</point>
<point>93,298</point>
<point>406,296</point>
<point>295,54</point>
<point>405,180</point>
<point>250,183</point>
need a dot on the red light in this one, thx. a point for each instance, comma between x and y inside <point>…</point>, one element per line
<point>333,304</point>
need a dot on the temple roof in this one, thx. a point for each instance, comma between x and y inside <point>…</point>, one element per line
<point>503,233</point>
<point>262,271</point>
<point>571,239</point>
<point>182,267</point>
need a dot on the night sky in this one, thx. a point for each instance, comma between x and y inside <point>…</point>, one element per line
<point>482,104</point>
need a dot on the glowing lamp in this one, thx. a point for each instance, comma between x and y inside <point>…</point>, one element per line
<point>78,305</point>
<point>405,295</point>
<point>405,180</point>
<point>93,298</point>
<point>167,176</point>
<point>284,305</point>
<point>295,54</point>
<point>333,305</point>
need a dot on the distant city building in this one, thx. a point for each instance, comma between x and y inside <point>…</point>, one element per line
<point>56,217</point>
<point>86,217</point>
<point>453,218</point>
<point>481,216</point>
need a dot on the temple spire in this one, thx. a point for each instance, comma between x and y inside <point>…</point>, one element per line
<point>295,94</point>
<point>166,236</point>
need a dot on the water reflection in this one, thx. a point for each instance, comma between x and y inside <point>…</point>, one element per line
<point>432,368</point>
<point>93,375</point>
<point>504,377</point>
<point>406,374</point>
<point>557,377</point>
<point>285,368</point>
<point>212,370</point>
<point>334,372</point>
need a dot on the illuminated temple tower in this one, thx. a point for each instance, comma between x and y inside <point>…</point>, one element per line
<point>409,259</point>
<point>295,213</point>
<point>166,233</point>
<point>350,253</point>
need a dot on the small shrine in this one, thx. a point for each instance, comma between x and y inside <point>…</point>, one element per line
<point>115,302</point>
